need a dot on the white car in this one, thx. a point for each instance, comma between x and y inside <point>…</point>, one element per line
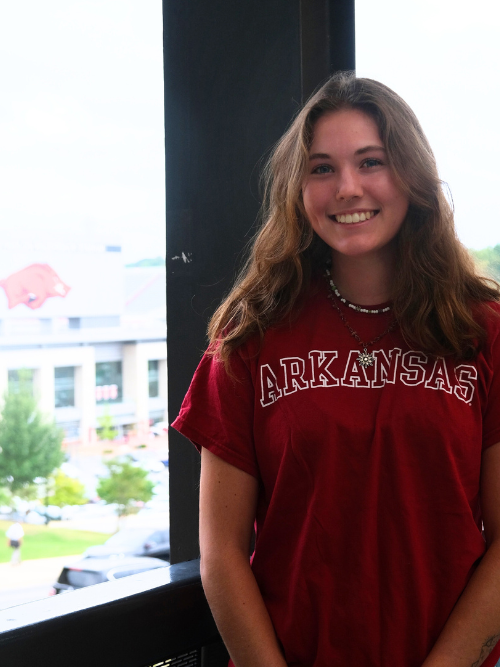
<point>34,518</point>
<point>160,428</point>
<point>143,541</point>
<point>153,466</point>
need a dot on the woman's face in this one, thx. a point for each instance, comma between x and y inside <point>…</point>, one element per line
<point>350,195</point>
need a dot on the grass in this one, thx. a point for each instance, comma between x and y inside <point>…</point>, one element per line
<point>44,542</point>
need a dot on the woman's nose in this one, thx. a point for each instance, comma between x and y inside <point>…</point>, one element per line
<point>348,185</point>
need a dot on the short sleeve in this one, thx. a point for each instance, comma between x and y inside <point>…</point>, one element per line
<point>491,415</point>
<point>217,412</point>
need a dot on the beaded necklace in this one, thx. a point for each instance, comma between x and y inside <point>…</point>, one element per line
<point>359,309</point>
<point>365,358</point>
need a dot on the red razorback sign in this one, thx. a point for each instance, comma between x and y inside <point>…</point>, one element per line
<point>33,285</point>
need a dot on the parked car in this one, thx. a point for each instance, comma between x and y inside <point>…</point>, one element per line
<point>149,464</point>
<point>160,428</point>
<point>91,571</point>
<point>134,542</point>
<point>153,466</point>
<point>50,512</point>
<point>34,518</point>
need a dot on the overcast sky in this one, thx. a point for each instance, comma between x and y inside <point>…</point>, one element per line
<point>443,58</point>
<point>81,121</point>
<point>81,110</point>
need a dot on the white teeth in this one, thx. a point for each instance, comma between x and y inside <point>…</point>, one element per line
<point>355,217</point>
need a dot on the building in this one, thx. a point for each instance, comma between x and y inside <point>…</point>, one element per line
<point>86,333</point>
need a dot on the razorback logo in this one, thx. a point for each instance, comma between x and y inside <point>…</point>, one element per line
<point>33,285</point>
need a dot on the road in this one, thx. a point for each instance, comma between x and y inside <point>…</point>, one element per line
<point>32,580</point>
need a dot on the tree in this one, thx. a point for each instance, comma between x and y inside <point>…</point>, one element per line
<point>5,497</point>
<point>106,430</point>
<point>488,261</point>
<point>125,485</point>
<point>29,492</point>
<point>30,445</point>
<point>67,491</point>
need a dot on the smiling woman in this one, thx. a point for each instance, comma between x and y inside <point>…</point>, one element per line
<point>341,407</point>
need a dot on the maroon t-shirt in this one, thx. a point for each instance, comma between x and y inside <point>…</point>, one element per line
<point>368,523</point>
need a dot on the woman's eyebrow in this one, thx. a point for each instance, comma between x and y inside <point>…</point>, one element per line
<point>360,151</point>
<point>319,156</point>
<point>367,149</point>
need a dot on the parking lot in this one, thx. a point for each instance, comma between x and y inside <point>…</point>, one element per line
<point>33,579</point>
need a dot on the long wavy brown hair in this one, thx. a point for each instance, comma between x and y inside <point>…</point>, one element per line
<point>437,294</point>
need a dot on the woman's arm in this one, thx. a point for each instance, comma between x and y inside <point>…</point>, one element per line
<point>473,627</point>
<point>228,499</point>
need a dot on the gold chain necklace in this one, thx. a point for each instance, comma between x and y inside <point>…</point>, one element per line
<point>365,358</point>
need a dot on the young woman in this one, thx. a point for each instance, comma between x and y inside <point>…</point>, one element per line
<point>349,407</point>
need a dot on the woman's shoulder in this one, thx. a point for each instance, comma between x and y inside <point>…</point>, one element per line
<point>489,312</point>
<point>307,308</point>
<point>494,306</point>
<point>314,295</point>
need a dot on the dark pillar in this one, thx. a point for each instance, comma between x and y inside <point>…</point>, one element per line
<point>326,41</point>
<point>235,73</point>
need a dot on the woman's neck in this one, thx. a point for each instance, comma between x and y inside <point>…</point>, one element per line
<point>363,280</point>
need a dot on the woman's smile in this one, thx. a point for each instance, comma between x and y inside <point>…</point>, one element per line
<point>350,218</point>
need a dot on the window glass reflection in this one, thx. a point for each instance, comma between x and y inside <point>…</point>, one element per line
<point>108,382</point>
<point>153,379</point>
<point>64,387</point>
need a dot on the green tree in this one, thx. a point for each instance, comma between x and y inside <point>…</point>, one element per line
<point>66,491</point>
<point>5,497</point>
<point>125,484</point>
<point>29,492</point>
<point>30,444</point>
<point>488,261</point>
<point>106,430</point>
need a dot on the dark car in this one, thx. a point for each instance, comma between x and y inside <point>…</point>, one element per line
<point>134,542</point>
<point>91,571</point>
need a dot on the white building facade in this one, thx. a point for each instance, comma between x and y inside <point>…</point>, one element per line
<point>87,334</point>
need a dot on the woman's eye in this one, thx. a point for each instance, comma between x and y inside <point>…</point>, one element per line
<point>322,169</point>
<point>371,162</point>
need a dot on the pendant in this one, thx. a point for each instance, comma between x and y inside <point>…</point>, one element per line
<point>366,358</point>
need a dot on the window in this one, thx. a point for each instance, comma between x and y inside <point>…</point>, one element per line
<point>79,283</point>
<point>108,381</point>
<point>441,57</point>
<point>64,387</point>
<point>22,378</point>
<point>153,379</point>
